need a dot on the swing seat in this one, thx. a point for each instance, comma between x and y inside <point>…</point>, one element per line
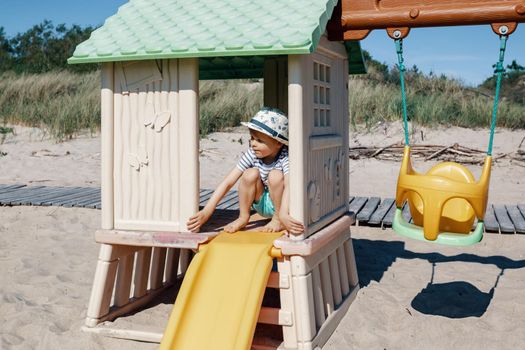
<point>444,202</point>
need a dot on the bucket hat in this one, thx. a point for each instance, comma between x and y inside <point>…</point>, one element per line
<point>272,122</point>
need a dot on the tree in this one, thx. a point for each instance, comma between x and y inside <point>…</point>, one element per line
<point>515,67</point>
<point>45,47</point>
<point>5,52</point>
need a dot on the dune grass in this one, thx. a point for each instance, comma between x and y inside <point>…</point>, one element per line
<point>431,100</point>
<point>63,103</point>
<point>226,103</point>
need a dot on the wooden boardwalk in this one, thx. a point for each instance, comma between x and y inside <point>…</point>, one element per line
<point>370,211</point>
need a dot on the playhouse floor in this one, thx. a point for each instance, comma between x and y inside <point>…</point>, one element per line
<point>222,217</point>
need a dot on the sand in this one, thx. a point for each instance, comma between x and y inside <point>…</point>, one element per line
<point>470,298</point>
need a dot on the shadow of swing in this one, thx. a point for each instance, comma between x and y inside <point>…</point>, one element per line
<point>458,299</point>
<point>452,300</point>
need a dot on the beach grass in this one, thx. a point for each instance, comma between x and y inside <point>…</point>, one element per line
<point>226,103</point>
<point>64,103</point>
<point>431,100</point>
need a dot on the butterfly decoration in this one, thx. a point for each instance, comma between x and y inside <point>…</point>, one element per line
<point>314,197</point>
<point>136,161</point>
<point>157,121</point>
<point>338,169</point>
<point>328,175</point>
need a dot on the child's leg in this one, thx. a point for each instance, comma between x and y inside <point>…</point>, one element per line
<point>276,189</point>
<point>250,189</point>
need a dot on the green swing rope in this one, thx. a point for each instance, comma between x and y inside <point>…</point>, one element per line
<point>499,70</point>
<point>401,64</point>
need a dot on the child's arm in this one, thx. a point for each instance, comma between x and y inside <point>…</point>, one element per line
<point>196,221</point>
<point>292,225</point>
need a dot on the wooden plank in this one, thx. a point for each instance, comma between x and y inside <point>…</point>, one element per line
<point>79,201</point>
<point>61,196</point>
<point>72,198</point>
<point>53,194</point>
<point>381,211</point>
<point>517,218</point>
<point>233,204</point>
<point>357,204</point>
<point>9,188</point>
<point>26,197</point>
<point>521,208</point>
<point>389,217</point>
<point>6,187</point>
<point>66,199</point>
<point>90,202</point>
<point>406,212</point>
<point>505,224</point>
<point>94,203</point>
<point>226,201</point>
<point>373,211</point>
<point>34,196</point>
<point>204,196</point>
<point>490,222</point>
<point>25,191</point>
<point>367,211</point>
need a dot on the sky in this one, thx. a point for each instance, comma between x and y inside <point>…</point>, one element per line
<point>465,53</point>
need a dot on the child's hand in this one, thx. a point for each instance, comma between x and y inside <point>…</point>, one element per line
<point>292,225</point>
<point>196,221</point>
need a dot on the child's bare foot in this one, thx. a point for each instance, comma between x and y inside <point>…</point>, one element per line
<point>273,226</point>
<point>237,224</point>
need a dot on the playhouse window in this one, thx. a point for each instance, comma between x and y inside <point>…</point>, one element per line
<point>321,96</point>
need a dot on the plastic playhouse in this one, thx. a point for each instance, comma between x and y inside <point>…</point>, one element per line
<point>153,54</point>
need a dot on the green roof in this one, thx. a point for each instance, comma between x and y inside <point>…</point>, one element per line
<point>159,29</point>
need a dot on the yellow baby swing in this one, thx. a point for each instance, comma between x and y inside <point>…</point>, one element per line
<point>445,201</point>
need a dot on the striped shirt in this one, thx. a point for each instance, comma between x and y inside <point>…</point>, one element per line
<point>250,160</point>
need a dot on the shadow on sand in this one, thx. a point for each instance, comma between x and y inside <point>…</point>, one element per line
<point>458,299</point>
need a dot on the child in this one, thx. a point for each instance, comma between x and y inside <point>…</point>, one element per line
<point>263,171</point>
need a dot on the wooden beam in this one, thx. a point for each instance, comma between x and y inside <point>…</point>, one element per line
<point>358,17</point>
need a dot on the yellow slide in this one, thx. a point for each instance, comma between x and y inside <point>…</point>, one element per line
<point>220,298</point>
